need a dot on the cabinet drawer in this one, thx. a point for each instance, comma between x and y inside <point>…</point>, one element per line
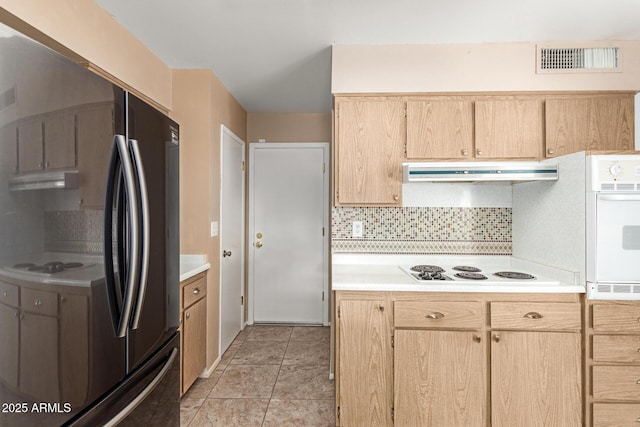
<point>624,317</point>
<point>194,291</point>
<point>39,301</point>
<point>9,294</point>
<point>615,414</point>
<point>616,348</point>
<point>525,315</point>
<point>423,314</point>
<point>616,382</point>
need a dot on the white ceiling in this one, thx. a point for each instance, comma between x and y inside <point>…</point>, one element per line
<point>275,55</point>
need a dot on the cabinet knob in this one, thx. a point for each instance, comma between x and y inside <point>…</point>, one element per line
<point>434,315</point>
<point>477,338</point>
<point>381,307</point>
<point>5,294</point>
<point>464,152</point>
<point>188,315</point>
<point>396,197</point>
<point>46,165</point>
<point>479,152</point>
<point>37,302</point>
<point>496,338</point>
<point>40,165</point>
<point>551,151</point>
<point>196,291</point>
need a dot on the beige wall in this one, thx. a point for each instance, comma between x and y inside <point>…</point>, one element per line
<point>289,127</point>
<point>466,68</point>
<point>201,105</point>
<point>84,31</point>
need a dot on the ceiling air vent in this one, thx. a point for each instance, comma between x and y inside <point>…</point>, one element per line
<point>7,98</point>
<point>578,59</point>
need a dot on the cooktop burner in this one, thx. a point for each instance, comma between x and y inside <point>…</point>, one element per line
<point>427,268</point>
<point>471,275</point>
<point>48,267</point>
<point>467,268</point>
<point>514,275</point>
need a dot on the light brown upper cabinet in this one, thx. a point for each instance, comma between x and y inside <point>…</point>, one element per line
<point>440,129</point>
<point>579,123</point>
<point>509,127</point>
<point>370,137</point>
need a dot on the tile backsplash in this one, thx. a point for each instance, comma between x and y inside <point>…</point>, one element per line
<point>74,231</point>
<point>423,230</point>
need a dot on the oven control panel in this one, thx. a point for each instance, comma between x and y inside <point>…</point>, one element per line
<point>613,172</point>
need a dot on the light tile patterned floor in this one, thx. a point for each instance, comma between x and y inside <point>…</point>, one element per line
<point>271,376</point>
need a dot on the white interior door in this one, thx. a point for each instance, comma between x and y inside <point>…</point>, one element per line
<point>288,226</point>
<point>232,226</point>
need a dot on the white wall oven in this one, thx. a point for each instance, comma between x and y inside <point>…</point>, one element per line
<point>613,227</point>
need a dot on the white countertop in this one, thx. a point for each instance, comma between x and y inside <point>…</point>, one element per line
<point>190,265</point>
<point>360,272</point>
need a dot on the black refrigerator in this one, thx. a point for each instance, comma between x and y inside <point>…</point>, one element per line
<point>89,247</point>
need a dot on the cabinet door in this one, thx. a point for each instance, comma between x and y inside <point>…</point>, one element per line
<point>365,370</point>
<point>74,348</point>
<point>9,328</point>
<point>536,379</point>
<point>439,378</point>
<point>439,129</point>
<point>576,124</point>
<point>60,140</point>
<point>9,148</point>
<point>30,146</point>
<point>509,128</point>
<point>370,141</point>
<point>194,340</point>
<point>39,376</point>
<point>95,136</point>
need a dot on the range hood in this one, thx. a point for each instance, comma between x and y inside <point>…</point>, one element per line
<point>44,180</point>
<point>479,171</point>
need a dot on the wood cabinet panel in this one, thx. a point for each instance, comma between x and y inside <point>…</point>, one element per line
<point>9,351</point>
<point>616,382</point>
<point>440,378</point>
<point>616,348</point>
<point>536,316</point>
<point>30,146</point>
<point>370,137</point>
<point>616,317</point>
<point>60,140</point>
<point>40,302</point>
<point>74,348</point>
<point>589,123</point>
<point>509,128</point>
<point>366,364</point>
<point>194,341</point>
<point>615,414</point>
<point>194,291</point>
<point>536,379</point>
<point>39,357</point>
<point>440,129</point>
<point>438,314</point>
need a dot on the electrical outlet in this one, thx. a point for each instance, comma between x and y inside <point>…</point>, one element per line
<point>356,229</point>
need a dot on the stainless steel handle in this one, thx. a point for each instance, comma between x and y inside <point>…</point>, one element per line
<point>134,238</point>
<point>618,197</point>
<point>144,256</point>
<point>226,253</point>
<point>146,392</point>
<point>533,315</point>
<point>434,315</point>
<point>496,338</point>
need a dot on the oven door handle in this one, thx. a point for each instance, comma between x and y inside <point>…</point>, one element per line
<point>619,197</point>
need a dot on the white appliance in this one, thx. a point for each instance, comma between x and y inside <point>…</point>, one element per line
<point>613,227</point>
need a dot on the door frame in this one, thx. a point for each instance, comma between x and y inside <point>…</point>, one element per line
<point>225,130</point>
<point>325,219</point>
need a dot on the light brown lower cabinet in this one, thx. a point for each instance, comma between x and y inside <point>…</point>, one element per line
<point>193,330</point>
<point>451,367</point>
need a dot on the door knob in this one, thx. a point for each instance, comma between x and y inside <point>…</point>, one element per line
<point>258,244</point>
<point>226,253</point>
<point>259,235</point>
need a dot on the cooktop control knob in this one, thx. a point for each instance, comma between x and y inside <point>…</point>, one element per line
<point>615,169</point>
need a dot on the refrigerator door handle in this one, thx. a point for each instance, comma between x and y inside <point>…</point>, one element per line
<point>144,203</point>
<point>133,229</point>
<point>146,392</point>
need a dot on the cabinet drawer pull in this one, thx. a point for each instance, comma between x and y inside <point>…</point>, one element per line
<point>465,152</point>
<point>196,291</point>
<point>37,302</point>
<point>5,294</point>
<point>637,381</point>
<point>434,315</point>
<point>496,338</point>
<point>533,315</point>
